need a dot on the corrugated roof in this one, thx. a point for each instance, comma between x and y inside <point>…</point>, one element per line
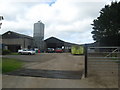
<point>54,39</point>
<point>18,35</point>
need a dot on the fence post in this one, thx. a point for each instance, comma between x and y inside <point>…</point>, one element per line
<point>119,75</point>
<point>118,68</point>
<point>85,48</point>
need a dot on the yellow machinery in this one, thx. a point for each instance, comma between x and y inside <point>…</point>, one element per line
<point>77,50</point>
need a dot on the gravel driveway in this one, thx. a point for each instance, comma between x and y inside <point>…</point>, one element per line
<point>51,61</point>
<point>51,65</point>
<point>56,64</point>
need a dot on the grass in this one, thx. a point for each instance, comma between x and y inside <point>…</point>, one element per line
<point>14,54</point>
<point>9,64</point>
<point>115,58</point>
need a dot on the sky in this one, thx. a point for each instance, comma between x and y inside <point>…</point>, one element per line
<point>68,20</point>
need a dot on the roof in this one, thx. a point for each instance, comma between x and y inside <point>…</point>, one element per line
<point>53,39</point>
<point>56,40</point>
<point>11,34</point>
<point>95,44</point>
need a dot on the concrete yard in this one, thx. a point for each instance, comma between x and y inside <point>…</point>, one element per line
<point>50,61</point>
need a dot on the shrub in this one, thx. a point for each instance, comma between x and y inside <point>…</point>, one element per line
<point>5,52</point>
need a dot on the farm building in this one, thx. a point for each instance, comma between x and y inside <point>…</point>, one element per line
<point>53,42</point>
<point>14,41</point>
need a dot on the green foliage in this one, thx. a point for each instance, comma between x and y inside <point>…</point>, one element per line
<point>114,55</point>
<point>107,25</point>
<point>14,54</point>
<point>9,65</point>
<point>5,52</point>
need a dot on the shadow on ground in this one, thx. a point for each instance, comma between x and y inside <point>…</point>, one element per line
<point>57,74</point>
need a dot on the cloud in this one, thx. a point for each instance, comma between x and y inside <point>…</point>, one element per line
<point>68,20</point>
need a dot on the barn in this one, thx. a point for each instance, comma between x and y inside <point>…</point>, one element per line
<point>54,42</point>
<point>14,41</point>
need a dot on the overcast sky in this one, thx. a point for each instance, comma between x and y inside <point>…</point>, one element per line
<point>68,20</point>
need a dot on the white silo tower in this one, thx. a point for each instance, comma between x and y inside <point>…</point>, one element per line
<point>39,35</point>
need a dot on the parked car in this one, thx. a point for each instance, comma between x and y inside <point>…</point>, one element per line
<point>50,50</point>
<point>25,51</point>
<point>58,50</point>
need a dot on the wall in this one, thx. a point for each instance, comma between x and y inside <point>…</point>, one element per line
<point>23,42</point>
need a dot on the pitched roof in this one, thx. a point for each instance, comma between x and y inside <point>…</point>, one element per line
<point>11,34</point>
<point>53,39</point>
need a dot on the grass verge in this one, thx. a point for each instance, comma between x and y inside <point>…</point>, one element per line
<point>9,64</point>
<point>14,54</point>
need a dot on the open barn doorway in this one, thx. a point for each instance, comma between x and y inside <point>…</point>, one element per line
<point>13,48</point>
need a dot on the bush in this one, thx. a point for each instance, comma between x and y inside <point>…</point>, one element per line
<point>5,52</point>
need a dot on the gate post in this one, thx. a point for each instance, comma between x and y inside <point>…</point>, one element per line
<point>85,52</point>
<point>118,55</point>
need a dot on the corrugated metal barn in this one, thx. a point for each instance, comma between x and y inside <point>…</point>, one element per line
<point>53,42</point>
<point>14,41</point>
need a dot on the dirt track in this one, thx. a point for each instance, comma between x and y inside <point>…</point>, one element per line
<point>60,62</point>
<point>52,61</point>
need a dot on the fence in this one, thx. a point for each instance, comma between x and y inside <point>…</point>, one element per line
<point>102,62</point>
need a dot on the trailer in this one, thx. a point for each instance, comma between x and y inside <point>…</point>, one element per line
<point>77,50</point>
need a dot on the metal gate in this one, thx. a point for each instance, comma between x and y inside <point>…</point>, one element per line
<point>102,62</point>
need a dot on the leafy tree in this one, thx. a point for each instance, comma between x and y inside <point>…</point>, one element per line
<point>106,28</point>
<point>1,18</point>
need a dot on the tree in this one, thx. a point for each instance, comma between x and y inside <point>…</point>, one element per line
<point>1,18</point>
<point>106,28</point>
